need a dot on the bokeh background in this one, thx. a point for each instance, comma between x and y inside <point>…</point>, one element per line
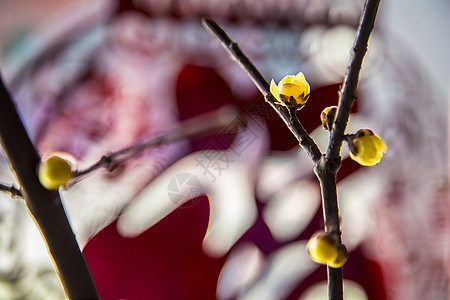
<point>227,216</point>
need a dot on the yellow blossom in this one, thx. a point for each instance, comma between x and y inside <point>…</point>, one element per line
<point>341,258</point>
<point>322,248</point>
<point>366,147</point>
<point>291,91</point>
<point>54,172</point>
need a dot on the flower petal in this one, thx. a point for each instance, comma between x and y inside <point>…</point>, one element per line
<point>287,79</point>
<point>289,91</point>
<point>300,80</point>
<point>274,90</point>
<point>300,77</point>
<point>380,144</point>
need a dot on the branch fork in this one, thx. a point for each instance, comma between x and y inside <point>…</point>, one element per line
<point>326,165</point>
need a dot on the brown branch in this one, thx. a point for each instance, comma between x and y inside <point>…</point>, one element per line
<point>327,170</point>
<point>261,83</point>
<point>325,167</point>
<point>12,190</point>
<point>348,90</point>
<point>44,206</point>
<point>195,127</point>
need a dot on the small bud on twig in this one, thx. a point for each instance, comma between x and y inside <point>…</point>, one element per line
<point>327,117</point>
<point>366,147</point>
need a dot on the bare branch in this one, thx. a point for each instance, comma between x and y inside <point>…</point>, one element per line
<point>327,172</point>
<point>195,127</point>
<point>45,206</point>
<point>348,90</point>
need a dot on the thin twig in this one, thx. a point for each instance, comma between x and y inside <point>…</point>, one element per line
<point>237,54</point>
<point>327,170</point>
<point>326,173</point>
<point>261,83</point>
<point>348,89</point>
<point>195,127</point>
<point>12,190</point>
<point>44,205</point>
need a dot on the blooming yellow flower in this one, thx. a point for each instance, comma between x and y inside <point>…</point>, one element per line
<point>366,147</point>
<point>291,91</point>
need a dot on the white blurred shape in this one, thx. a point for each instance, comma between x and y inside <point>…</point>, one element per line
<point>328,52</point>
<point>357,195</point>
<point>280,169</point>
<point>230,192</point>
<point>242,267</point>
<point>89,213</point>
<point>352,291</point>
<point>232,207</point>
<point>154,202</point>
<point>233,211</point>
<point>290,210</point>
<point>284,269</point>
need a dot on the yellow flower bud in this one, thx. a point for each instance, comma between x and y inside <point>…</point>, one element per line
<point>327,117</point>
<point>322,247</point>
<point>291,91</point>
<point>54,171</point>
<point>341,258</point>
<point>366,147</point>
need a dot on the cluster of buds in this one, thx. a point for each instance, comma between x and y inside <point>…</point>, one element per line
<point>324,248</point>
<point>366,148</point>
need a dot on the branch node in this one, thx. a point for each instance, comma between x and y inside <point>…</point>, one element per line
<point>12,190</point>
